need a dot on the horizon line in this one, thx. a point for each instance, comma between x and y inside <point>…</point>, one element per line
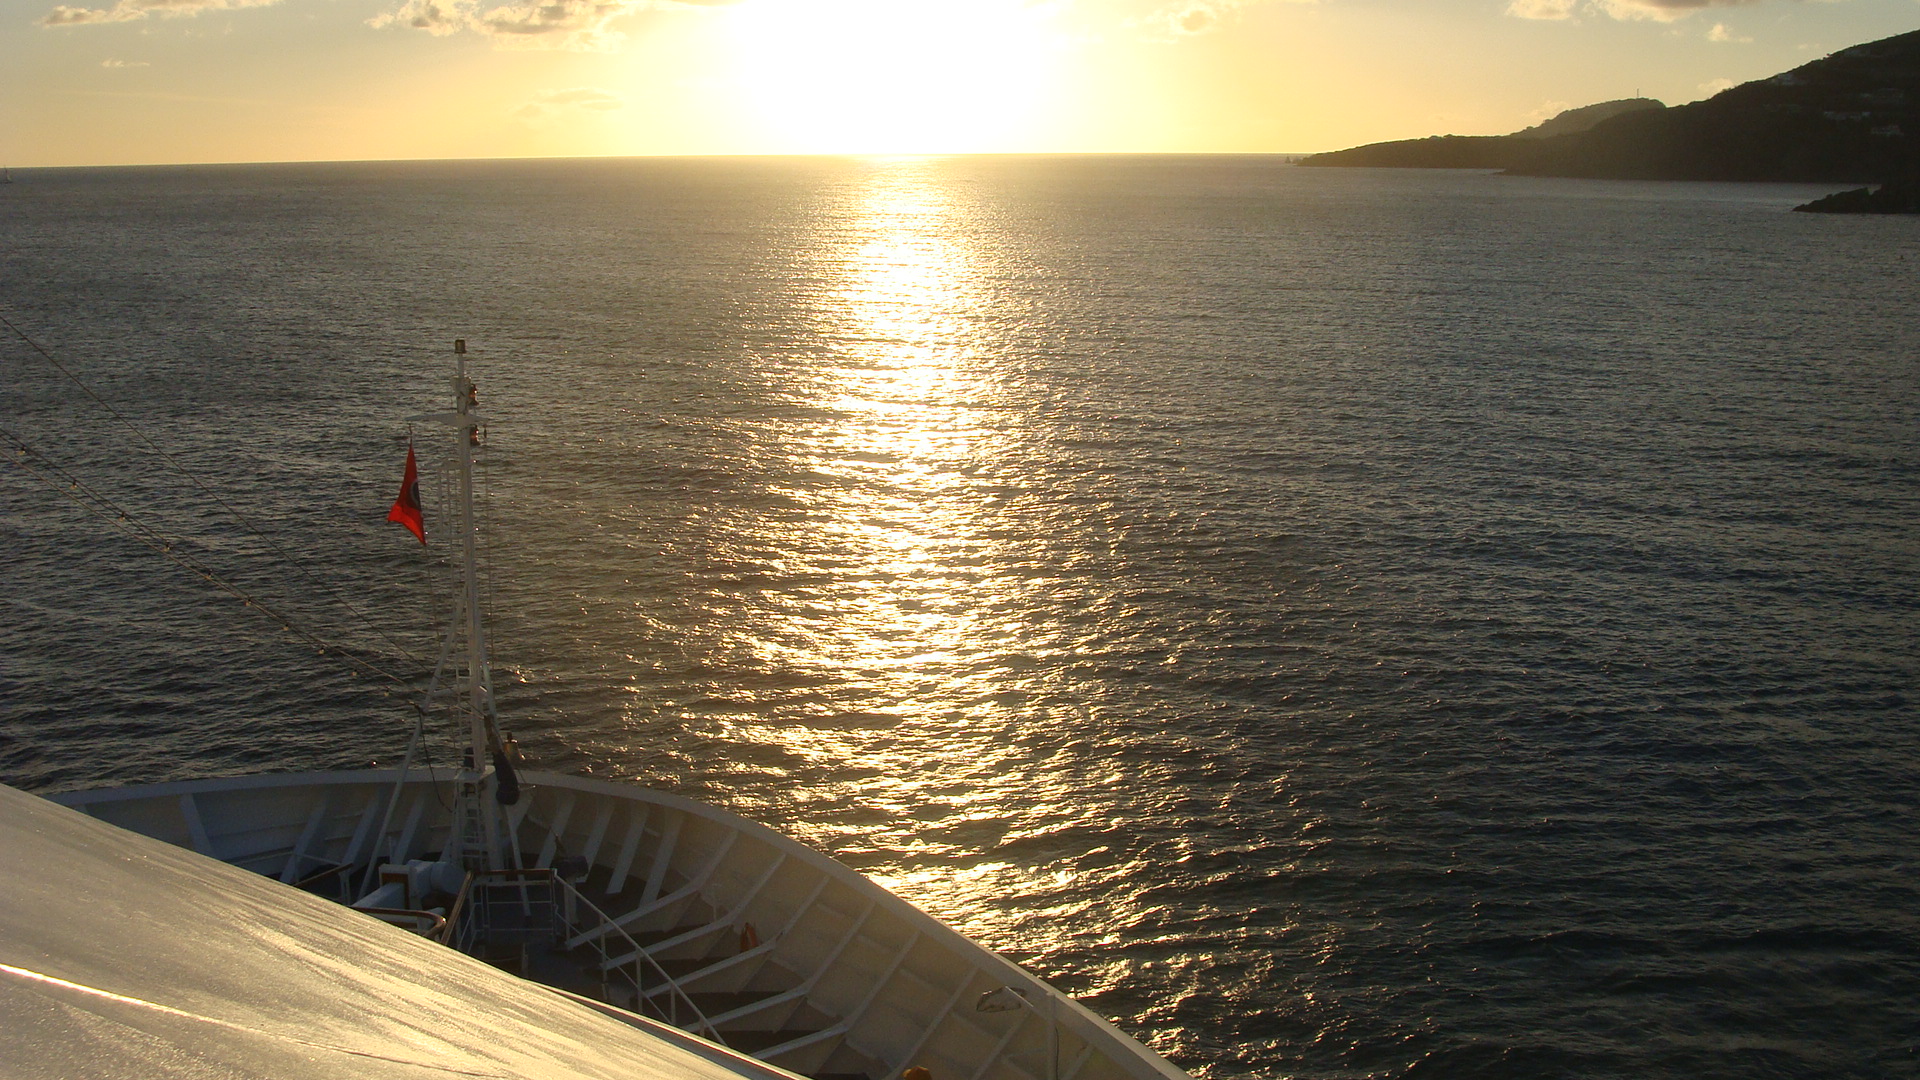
<point>744,155</point>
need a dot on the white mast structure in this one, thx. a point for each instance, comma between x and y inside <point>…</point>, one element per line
<point>487,784</point>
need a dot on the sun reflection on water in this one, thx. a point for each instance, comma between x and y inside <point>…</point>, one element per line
<point>887,674</point>
<point>904,389</point>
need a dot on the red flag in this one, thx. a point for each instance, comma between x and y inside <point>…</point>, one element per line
<point>406,508</point>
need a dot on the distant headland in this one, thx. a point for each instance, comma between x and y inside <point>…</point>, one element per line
<point>1852,117</point>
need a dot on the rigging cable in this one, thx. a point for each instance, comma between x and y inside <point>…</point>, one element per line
<point>184,471</point>
<point>106,509</point>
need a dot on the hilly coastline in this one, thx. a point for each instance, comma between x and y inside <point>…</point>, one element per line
<point>1852,117</point>
<point>1480,151</point>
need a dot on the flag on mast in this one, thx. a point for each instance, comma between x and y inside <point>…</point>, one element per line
<point>406,508</point>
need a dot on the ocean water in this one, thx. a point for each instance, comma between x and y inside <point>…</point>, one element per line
<point>1337,623</point>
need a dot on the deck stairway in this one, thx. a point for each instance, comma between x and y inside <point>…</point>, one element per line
<point>541,926</point>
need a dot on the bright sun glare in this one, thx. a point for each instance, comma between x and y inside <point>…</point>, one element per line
<point>894,76</point>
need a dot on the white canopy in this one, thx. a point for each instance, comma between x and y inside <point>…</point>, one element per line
<point>124,957</point>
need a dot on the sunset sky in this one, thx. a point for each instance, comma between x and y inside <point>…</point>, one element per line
<point>162,81</point>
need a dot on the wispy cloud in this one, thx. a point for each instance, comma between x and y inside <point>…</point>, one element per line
<point>1548,110</point>
<point>578,97</point>
<point>1721,33</point>
<point>1657,10</point>
<point>434,18</point>
<point>123,63</point>
<point>569,24</point>
<point>579,25</point>
<point>540,24</point>
<point>1541,9</point>
<point>132,10</point>
<point>1197,18</point>
<point>1193,17</point>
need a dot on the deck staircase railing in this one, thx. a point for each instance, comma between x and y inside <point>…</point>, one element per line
<point>539,908</point>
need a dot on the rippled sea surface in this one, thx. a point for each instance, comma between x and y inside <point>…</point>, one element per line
<point>1340,624</point>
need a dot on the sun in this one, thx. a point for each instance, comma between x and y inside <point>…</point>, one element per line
<point>895,76</point>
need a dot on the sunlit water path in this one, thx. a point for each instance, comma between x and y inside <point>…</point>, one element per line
<point>1338,623</point>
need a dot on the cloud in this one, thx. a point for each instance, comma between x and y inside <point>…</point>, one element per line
<point>579,97</point>
<point>567,24</point>
<point>1708,89</point>
<point>578,25</point>
<point>1194,20</point>
<point>436,19</point>
<point>1721,33</point>
<point>1549,110</point>
<point>1665,10</point>
<point>124,63</point>
<point>1541,9</point>
<point>585,98</point>
<point>131,10</point>
<point>1195,17</point>
<point>1657,10</point>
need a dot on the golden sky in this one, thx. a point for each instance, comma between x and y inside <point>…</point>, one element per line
<point>166,81</point>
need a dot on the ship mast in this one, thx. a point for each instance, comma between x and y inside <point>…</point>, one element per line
<point>484,792</point>
<point>481,721</point>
